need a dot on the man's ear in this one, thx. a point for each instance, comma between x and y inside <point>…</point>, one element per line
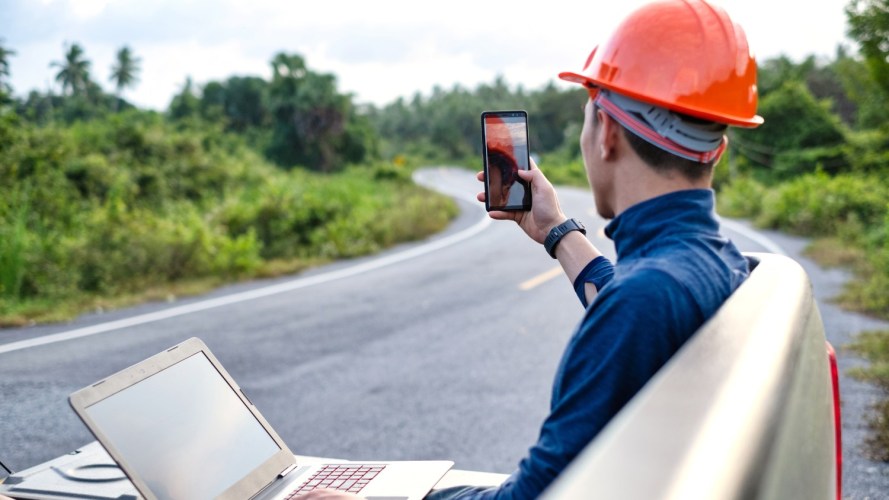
<point>610,138</point>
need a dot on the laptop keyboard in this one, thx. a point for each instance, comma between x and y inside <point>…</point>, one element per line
<point>344,477</point>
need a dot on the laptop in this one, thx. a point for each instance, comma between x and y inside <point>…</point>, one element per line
<point>181,428</point>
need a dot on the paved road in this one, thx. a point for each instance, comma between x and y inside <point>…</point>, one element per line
<point>440,349</point>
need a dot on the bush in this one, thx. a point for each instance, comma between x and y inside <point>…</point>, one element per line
<point>870,151</point>
<point>131,250</point>
<point>871,292</point>
<point>817,204</point>
<point>794,121</point>
<point>561,171</point>
<point>742,197</point>
<point>790,163</point>
<point>129,203</point>
<point>874,346</point>
<point>850,209</point>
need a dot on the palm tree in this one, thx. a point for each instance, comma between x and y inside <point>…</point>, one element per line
<point>75,70</point>
<point>124,72</point>
<point>4,65</point>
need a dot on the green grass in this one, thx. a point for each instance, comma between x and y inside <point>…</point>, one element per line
<point>847,214</point>
<point>874,347</point>
<point>865,293</point>
<point>835,252</point>
<point>134,260</point>
<point>110,212</point>
<point>12,254</point>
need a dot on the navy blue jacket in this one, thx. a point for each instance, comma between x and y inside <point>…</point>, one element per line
<point>673,272</point>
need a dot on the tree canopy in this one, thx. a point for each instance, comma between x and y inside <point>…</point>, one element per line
<point>298,118</point>
<point>5,87</point>
<point>125,70</point>
<point>74,71</point>
<point>869,26</point>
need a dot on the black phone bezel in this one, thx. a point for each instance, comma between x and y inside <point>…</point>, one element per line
<point>525,206</point>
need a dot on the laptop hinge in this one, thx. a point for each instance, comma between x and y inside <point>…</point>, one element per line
<point>286,471</point>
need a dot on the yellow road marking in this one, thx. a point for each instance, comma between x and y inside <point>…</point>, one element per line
<point>540,279</point>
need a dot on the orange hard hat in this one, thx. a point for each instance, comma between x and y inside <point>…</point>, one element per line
<point>685,55</point>
<point>499,144</point>
<point>498,136</point>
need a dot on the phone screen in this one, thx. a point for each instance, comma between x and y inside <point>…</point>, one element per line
<point>506,151</point>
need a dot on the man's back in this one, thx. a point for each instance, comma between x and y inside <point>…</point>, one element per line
<point>673,272</point>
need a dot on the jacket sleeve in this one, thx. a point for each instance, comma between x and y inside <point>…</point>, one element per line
<point>598,272</point>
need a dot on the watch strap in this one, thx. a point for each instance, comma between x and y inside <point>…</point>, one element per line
<point>557,233</point>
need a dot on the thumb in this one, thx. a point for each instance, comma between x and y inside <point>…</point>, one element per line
<point>526,175</point>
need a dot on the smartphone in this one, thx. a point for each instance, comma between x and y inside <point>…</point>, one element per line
<point>506,150</point>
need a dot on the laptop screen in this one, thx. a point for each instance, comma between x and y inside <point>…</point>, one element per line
<point>184,431</point>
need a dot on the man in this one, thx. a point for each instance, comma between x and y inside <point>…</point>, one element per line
<point>663,90</point>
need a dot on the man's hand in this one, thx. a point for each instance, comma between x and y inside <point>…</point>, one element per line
<point>545,211</point>
<point>327,494</point>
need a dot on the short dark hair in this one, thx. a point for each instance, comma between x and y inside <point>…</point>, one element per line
<point>662,160</point>
<point>506,164</point>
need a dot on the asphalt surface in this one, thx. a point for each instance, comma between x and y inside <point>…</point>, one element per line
<point>442,349</point>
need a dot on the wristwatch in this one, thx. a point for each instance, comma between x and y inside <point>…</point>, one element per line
<point>557,233</point>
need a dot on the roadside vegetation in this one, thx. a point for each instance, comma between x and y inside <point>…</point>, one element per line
<point>874,347</point>
<point>103,213</point>
<point>103,204</point>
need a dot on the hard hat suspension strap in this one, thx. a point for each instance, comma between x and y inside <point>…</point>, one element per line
<point>699,141</point>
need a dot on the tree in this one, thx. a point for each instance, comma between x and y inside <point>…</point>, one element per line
<point>246,103</point>
<point>185,104</point>
<point>310,118</point>
<point>555,112</point>
<point>125,70</point>
<point>74,71</point>
<point>869,26</point>
<point>871,103</point>
<point>5,88</point>
<point>800,134</point>
<point>212,103</point>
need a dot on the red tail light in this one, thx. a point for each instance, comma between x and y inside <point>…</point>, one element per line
<point>838,426</point>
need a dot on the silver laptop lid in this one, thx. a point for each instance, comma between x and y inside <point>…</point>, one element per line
<point>180,427</point>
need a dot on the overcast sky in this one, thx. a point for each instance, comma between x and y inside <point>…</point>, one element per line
<point>378,49</point>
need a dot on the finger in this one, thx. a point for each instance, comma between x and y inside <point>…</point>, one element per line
<point>500,215</point>
<point>534,164</point>
<point>481,197</point>
<point>480,176</point>
<point>536,177</point>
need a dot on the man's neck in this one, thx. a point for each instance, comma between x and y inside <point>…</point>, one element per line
<point>637,182</point>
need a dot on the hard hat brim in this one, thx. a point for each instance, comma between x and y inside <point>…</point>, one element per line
<point>738,121</point>
<point>570,76</point>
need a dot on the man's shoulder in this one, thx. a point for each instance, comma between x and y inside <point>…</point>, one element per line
<point>645,284</point>
<point>704,280</point>
<point>647,272</point>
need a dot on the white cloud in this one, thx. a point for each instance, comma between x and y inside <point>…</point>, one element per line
<point>82,9</point>
<point>166,66</point>
<point>87,9</point>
